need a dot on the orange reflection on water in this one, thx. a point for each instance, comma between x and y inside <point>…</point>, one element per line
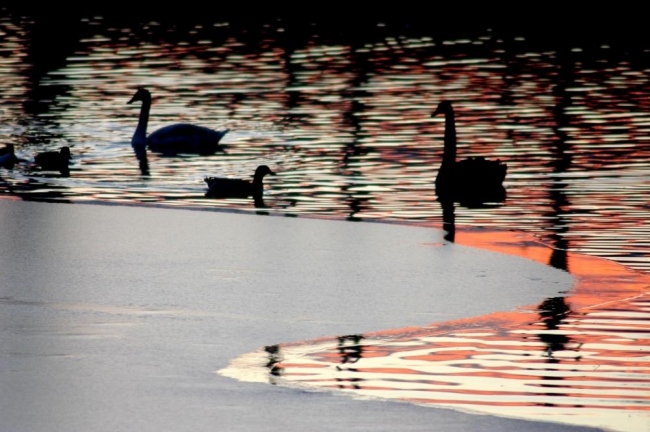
<point>599,280</point>
<point>581,359</point>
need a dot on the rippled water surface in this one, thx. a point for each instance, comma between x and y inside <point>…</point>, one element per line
<point>345,121</point>
<point>580,359</point>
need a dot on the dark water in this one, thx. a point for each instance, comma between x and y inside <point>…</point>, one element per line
<point>343,114</point>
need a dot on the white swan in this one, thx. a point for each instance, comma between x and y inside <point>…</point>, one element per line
<point>175,138</point>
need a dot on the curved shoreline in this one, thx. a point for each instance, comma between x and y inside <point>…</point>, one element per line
<point>121,306</point>
<point>382,364</point>
<point>597,282</point>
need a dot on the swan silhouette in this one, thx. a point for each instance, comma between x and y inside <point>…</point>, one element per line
<point>471,181</point>
<point>219,187</point>
<point>175,138</point>
<point>53,160</point>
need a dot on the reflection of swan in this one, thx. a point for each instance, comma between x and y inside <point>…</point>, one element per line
<point>7,156</point>
<point>238,188</point>
<point>53,160</point>
<point>448,220</point>
<point>474,179</point>
<point>175,138</point>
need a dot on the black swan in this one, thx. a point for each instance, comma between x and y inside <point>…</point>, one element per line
<point>53,160</point>
<point>175,138</point>
<point>238,188</point>
<point>471,181</point>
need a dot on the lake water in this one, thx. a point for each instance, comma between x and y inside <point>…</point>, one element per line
<point>345,121</point>
<point>343,117</point>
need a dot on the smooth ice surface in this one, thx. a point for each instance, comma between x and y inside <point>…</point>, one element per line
<point>117,317</point>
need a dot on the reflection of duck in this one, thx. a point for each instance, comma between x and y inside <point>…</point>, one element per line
<point>351,351</point>
<point>275,357</point>
<point>175,138</point>
<point>7,156</point>
<point>473,180</point>
<point>238,188</point>
<point>350,348</point>
<point>36,190</point>
<point>53,160</point>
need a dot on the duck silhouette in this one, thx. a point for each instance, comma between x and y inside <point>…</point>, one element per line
<point>471,181</point>
<point>175,138</point>
<point>54,160</point>
<point>7,156</point>
<point>220,187</point>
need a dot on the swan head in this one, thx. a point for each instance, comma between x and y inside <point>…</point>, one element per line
<point>443,107</point>
<point>141,95</point>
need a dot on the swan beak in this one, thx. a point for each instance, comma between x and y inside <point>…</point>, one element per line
<point>131,101</point>
<point>435,113</point>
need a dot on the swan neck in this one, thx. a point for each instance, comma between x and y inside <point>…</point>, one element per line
<point>449,154</point>
<point>140,135</point>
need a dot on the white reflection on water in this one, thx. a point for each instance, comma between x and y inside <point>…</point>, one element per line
<point>346,123</point>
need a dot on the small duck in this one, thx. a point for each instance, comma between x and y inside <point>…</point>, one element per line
<point>7,156</point>
<point>219,187</point>
<point>471,180</point>
<point>53,160</point>
<point>175,138</point>
<point>9,148</point>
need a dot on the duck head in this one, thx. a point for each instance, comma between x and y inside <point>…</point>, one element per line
<point>263,170</point>
<point>141,95</point>
<point>443,107</point>
<point>65,152</point>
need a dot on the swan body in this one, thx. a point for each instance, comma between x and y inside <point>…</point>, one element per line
<point>175,138</point>
<point>219,187</point>
<point>472,180</point>
<point>53,160</point>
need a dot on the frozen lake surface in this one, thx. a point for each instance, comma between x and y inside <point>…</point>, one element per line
<point>118,317</point>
